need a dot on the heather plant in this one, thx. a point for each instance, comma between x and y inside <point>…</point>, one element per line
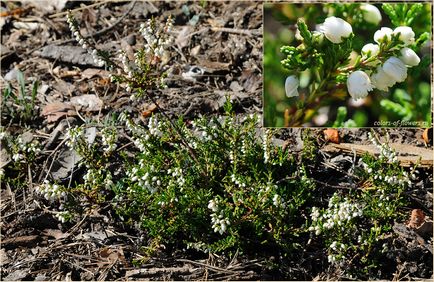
<point>220,184</point>
<point>332,64</point>
<point>20,152</point>
<point>356,226</point>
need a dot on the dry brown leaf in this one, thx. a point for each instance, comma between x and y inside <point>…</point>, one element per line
<point>148,110</point>
<point>56,110</point>
<point>416,219</point>
<point>332,135</point>
<point>427,135</point>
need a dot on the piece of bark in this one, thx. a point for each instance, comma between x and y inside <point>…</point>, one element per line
<point>408,155</point>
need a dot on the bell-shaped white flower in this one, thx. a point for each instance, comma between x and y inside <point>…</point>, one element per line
<point>395,68</point>
<point>370,50</point>
<point>381,80</point>
<point>383,34</point>
<point>406,34</point>
<point>371,14</point>
<point>409,57</point>
<point>291,86</point>
<point>358,84</point>
<point>335,29</point>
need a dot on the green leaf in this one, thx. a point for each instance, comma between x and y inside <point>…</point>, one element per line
<point>341,115</point>
<point>422,39</point>
<point>398,109</point>
<point>21,82</point>
<point>304,32</point>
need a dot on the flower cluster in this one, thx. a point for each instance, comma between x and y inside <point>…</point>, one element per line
<point>145,179</point>
<point>336,247</point>
<point>22,150</point>
<point>266,145</point>
<point>73,135</point>
<point>73,26</point>
<point>178,175</point>
<point>63,216</point>
<point>158,40</point>
<point>237,181</point>
<point>109,138</point>
<point>390,71</point>
<point>95,177</point>
<point>50,191</point>
<point>386,152</point>
<point>219,222</point>
<point>339,213</point>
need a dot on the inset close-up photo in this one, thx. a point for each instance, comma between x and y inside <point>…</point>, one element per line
<point>347,65</point>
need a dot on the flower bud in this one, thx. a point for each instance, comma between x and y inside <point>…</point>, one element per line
<point>395,68</point>
<point>358,84</point>
<point>371,14</point>
<point>291,86</point>
<point>335,29</point>
<point>406,34</point>
<point>383,34</point>
<point>409,57</point>
<point>381,80</point>
<point>370,50</point>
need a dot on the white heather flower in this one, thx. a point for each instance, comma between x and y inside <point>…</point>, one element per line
<point>212,205</point>
<point>381,80</point>
<point>291,86</point>
<point>383,34</point>
<point>370,50</point>
<point>371,14</point>
<point>359,84</point>
<point>335,29</point>
<point>395,68</point>
<point>406,34</point>
<point>409,57</point>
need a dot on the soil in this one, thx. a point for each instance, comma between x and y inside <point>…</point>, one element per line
<point>224,40</point>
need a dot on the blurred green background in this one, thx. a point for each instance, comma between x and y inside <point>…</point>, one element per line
<point>406,104</point>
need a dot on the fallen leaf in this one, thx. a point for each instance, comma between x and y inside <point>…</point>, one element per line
<point>91,72</point>
<point>332,135</point>
<point>56,110</point>
<point>87,102</point>
<point>148,110</point>
<point>427,136</point>
<point>416,219</point>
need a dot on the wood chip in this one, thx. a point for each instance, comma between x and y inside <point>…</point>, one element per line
<point>408,155</point>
